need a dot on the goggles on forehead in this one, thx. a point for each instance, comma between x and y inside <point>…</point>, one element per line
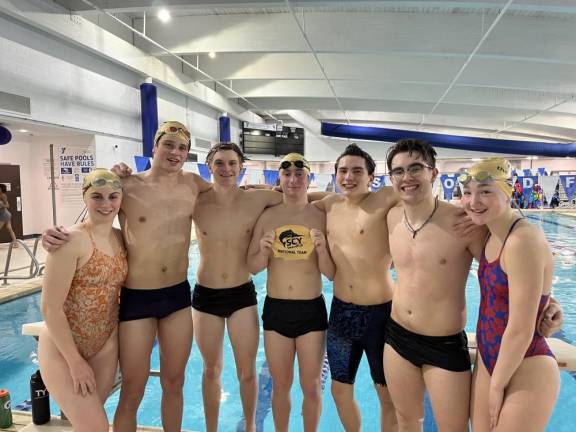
<point>300,164</point>
<point>101,182</point>
<point>480,176</point>
<point>174,130</point>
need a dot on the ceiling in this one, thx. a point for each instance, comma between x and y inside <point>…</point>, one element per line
<point>492,68</point>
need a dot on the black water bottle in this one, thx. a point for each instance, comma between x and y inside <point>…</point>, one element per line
<point>40,399</point>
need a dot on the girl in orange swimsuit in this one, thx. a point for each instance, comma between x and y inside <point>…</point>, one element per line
<point>78,349</point>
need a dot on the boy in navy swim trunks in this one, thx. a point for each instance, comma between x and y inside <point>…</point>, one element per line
<point>156,219</point>
<point>289,241</point>
<point>358,241</point>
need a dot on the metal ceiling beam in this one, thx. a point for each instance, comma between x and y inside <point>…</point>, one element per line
<point>313,52</point>
<point>194,67</point>
<point>465,65</point>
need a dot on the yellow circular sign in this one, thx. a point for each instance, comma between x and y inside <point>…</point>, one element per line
<point>292,242</point>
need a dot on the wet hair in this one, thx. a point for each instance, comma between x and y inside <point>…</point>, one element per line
<point>354,150</point>
<point>223,146</point>
<point>410,146</point>
<point>3,187</point>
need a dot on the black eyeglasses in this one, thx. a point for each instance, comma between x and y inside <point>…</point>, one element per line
<point>413,170</point>
<point>297,163</point>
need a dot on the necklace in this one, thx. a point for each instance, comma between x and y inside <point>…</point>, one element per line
<point>415,231</point>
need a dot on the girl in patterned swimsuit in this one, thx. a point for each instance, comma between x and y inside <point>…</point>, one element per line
<point>78,349</point>
<point>516,378</point>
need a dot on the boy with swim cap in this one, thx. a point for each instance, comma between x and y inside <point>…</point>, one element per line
<point>156,220</point>
<point>289,241</point>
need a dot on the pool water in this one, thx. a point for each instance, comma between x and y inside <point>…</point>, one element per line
<point>17,354</point>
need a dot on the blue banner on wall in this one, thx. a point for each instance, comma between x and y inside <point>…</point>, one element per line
<point>526,183</point>
<point>241,176</point>
<point>204,171</point>
<point>542,171</point>
<point>379,181</point>
<point>270,177</point>
<point>569,185</point>
<point>142,163</point>
<point>448,184</point>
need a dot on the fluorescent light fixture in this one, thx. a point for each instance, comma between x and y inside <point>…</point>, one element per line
<point>164,15</point>
<point>23,130</point>
<point>212,54</point>
<point>476,159</point>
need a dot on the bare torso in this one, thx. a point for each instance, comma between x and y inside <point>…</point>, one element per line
<point>358,240</point>
<point>432,269</point>
<point>224,228</point>
<point>298,279</point>
<point>156,219</point>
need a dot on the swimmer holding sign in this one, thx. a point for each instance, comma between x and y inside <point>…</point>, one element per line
<point>289,241</point>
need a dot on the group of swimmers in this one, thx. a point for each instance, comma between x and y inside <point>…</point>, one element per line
<point>352,238</point>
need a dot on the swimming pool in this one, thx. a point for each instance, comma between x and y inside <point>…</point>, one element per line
<point>16,351</point>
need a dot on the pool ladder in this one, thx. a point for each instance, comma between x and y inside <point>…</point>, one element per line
<point>36,269</point>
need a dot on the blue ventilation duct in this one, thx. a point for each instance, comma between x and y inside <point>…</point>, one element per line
<point>490,145</point>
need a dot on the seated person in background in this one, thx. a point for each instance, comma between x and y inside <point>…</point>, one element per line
<point>515,367</point>
<point>78,349</point>
<point>289,241</point>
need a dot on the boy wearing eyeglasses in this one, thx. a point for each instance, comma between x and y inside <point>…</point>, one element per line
<point>289,241</point>
<point>156,219</point>
<point>426,346</point>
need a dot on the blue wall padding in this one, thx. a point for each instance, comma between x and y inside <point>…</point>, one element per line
<point>149,112</point>
<point>224,122</point>
<point>490,145</point>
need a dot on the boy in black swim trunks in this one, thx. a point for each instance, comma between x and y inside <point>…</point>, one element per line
<point>289,241</point>
<point>224,295</point>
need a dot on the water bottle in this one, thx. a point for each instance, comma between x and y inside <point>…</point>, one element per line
<point>5,409</point>
<point>40,400</point>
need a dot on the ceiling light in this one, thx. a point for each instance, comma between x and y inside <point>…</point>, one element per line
<point>23,130</point>
<point>164,15</point>
<point>212,54</point>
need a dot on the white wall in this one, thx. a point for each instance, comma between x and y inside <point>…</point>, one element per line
<point>32,154</point>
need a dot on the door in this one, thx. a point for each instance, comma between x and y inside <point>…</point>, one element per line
<point>10,176</point>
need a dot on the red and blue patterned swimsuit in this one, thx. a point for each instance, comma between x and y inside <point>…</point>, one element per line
<point>494,310</point>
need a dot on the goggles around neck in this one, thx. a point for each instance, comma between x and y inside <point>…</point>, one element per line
<point>300,164</point>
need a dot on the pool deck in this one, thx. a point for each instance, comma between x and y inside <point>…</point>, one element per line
<point>22,421</point>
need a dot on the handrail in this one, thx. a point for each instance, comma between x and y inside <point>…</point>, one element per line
<point>35,268</point>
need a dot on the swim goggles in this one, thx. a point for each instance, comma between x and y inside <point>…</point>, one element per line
<point>480,176</point>
<point>101,182</point>
<point>300,164</point>
<point>174,130</point>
